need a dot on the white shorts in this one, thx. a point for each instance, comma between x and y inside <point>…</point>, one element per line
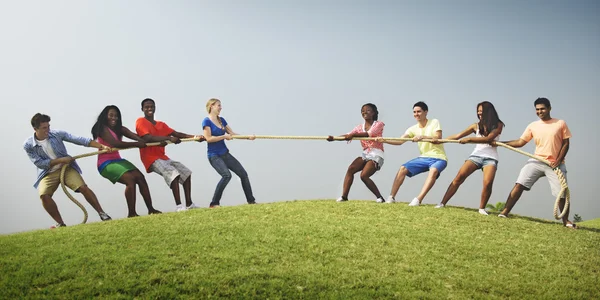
<point>170,169</point>
<point>534,170</point>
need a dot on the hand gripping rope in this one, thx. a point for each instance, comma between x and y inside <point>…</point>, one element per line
<point>563,182</point>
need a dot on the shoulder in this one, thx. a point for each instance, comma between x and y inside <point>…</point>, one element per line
<point>379,123</point>
<point>435,121</point>
<point>58,133</point>
<point>140,121</point>
<point>206,121</point>
<point>223,120</point>
<point>29,142</point>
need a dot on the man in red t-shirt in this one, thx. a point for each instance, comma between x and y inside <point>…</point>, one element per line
<point>155,159</point>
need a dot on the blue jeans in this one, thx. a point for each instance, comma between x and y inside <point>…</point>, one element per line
<point>222,164</point>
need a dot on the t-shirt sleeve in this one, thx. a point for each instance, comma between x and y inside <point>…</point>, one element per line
<point>168,130</point>
<point>565,131</point>
<point>409,132</point>
<point>436,126</point>
<point>205,123</point>
<point>141,127</point>
<point>356,129</point>
<point>376,129</point>
<point>224,122</point>
<point>527,135</point>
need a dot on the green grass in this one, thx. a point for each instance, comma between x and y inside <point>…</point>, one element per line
<point>305,249</point>
<point>594,223</point>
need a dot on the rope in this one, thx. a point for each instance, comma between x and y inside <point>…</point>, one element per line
<point>335,138</point>
<point>564,188</point>
<point>64,168</point>
<point>561,177</point>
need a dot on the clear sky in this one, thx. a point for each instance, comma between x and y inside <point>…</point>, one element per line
<point>297,68</point>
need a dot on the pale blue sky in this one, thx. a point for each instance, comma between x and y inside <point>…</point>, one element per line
<point>297,68</point>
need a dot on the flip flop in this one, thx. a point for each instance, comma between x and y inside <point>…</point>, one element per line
<point>571,226</point>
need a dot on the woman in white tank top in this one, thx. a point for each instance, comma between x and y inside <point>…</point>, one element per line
<point>484,156</point>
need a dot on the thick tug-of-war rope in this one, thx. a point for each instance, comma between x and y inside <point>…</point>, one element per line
<point>564,188</point>
<point>64,168</point>
<point>561,177</point>
<point>563,183</point>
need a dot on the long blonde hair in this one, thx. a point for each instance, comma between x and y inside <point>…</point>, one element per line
<point>210,103</point>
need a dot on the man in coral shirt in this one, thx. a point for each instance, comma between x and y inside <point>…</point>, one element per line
<point>155,159</point>
<point>551,138</point>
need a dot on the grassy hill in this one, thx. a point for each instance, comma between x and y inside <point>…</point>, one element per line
<point>305,249</point>
<point>594,223</point>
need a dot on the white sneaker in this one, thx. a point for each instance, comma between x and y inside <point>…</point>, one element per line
<point>192,206</point>
<point>380,200</point>
<point>340,199</point>
<point>483,212</point>
<point>501,216</point>
<point>441,205</point>
<point>390,199</point>
<point>180,207</point>
<point>414,202</point>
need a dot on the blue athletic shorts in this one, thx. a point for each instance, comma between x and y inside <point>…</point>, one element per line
<point>423,164</point>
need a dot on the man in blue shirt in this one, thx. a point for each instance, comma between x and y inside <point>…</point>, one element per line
<point>48,153</point>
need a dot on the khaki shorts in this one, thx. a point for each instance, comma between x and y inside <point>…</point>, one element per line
<point>51,181</point>
<point>170,169</point>
<point>534,170</point>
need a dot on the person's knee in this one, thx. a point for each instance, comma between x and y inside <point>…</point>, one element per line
<point>46,198</point>
<point>403,171</point>
<point>365,177</point>
<point>226,176</point>
<point>487,184</point>
<point>140,178</point>
<point>433,172</point>
<point>459,179</point>
<point>84,189</point>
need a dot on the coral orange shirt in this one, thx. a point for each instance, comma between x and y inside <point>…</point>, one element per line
<point>150,154</point>
<point>548,137</point>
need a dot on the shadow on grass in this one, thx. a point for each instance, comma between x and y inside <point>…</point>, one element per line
<point>532,219</point>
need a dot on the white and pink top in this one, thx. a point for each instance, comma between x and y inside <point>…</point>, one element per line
<point>371,147</point>
<point>104,157</point>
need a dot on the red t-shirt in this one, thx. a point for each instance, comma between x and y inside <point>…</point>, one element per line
<point>151,154</point>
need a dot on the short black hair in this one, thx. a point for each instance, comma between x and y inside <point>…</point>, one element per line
<point>146,100</point>
<point>375,111</point>
<point>422,105</point>
<point>38,119</point>
<point>543,101</point>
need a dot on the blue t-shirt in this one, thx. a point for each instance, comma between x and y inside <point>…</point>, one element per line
<point>216,148</point>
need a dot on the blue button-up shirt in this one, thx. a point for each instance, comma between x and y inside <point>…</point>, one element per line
<point>41,160</point>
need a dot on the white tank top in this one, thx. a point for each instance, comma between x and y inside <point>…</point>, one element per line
<point>485,150</point>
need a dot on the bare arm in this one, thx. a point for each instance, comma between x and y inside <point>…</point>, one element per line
<point>562,153</point>
<point>110,139</point>
<point>211,139</point>
<point>470,130</point>
<point>514,143</point>
<point>485,139</point>
<point>148,138</point>
<point>395,142</point>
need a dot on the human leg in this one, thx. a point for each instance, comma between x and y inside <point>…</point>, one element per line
<point>356,165</point>
<point>465,171</point>
<point>129,180</point>
<point>236,167</point>
<point>489,174</point>
<point>219,165</point>
<point>529,174</point>
<point>368,170</point>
